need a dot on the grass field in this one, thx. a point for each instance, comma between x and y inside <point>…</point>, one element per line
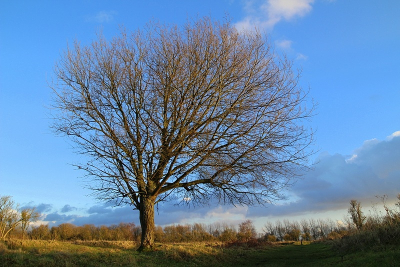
<point>106,253</point>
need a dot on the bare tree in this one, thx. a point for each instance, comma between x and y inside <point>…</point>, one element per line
<point>27,216</point>
<point>287,225</point>
<point>215,229</point>
<point>305,228</point>
<point>279,230</point>
<point>323,228</point>
<point>356,214</point>
<point>392,215</point>
<point>228,233</point>
<point>246,231</point>
<point>269,229</point>
<point>192,113</point>
<point>314,229</point>
<point>9,218</point>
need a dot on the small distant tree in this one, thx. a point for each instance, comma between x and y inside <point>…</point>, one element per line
<point>9,218</point>
<point>104,233</point>
<point>246,231</point>
<point>306,236</point>
<point>269,229</point>
<point>67,231</point>
<point>183,232</point>
<point>287,237</point>
<point>305,228</point>
<point>279,230</point>
<point>159,234</point>
<point>287,226</point>
<point>41,232</point>
<point>228,235</point>
<point>128,230</point>
<point>215,229</point>
<point>87,232</point>
<point>28,215</point>
<point>199,232</point>
<point>293,234</point>
<point>323,227</point>
<point>356,214</point>
<point>396,214</point>
<point>271,238</point>
<point>295,231</point>
<point>392,215</point>
<point>334,235</point>
<point>315,231</point>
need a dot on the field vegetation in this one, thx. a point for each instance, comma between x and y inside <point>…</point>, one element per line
<point>123,253</point>
<point>362,240</point>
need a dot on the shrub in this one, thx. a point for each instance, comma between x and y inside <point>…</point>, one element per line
<point>3,248</point>
<point>228,235</point>
<point>247,231</point>
<point>271,238</point>
<point>334,235</point>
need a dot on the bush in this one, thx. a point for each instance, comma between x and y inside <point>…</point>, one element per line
<point>13,244</point>
<point>334,235</point>
<point>3,248</point>
<point>247,231</point>
<point>380,237</point>
<point>271,238</point>
<point>376,233</point>
<point>228,235</point>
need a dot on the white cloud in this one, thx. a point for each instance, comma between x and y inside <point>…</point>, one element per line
<point>301,56</point>
<point>284,44</point>
<point>266,15</point>
<point>352,158</point>
<point>286,9</point>
<point>395,134</point>
<point>102,17</point>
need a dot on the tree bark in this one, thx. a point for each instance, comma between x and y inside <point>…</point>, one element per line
<point>147,223</point>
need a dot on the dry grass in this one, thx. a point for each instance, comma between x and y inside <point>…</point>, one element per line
<point>107,244</point>
<point>195,253</point>
<point>121,253</point>
<point>108,253</point>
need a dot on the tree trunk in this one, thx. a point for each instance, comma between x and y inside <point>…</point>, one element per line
<point>147,223</point>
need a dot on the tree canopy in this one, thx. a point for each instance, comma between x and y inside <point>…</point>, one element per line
<point>196,112</point>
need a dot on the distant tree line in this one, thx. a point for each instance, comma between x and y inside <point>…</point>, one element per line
<point>196,232</point>
<point>14,223</point>
<point>87,232</point>
<point>307,230</point>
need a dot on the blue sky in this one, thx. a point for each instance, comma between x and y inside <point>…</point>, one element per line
<point>349,55</point>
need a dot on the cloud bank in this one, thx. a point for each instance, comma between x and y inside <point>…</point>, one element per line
<point>373,169</point>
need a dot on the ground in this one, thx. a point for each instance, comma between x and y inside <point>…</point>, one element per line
<point>106,253</point>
